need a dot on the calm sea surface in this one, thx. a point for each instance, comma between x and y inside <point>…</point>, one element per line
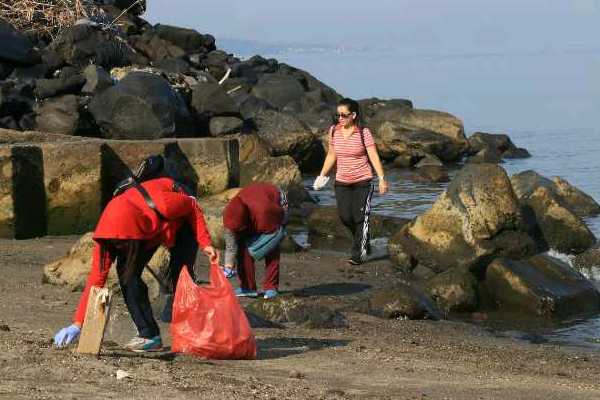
<point>548,103</point>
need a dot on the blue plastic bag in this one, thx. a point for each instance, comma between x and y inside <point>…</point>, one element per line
<point>261,245</point>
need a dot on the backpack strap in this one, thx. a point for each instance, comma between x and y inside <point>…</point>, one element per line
<point>148,199</point>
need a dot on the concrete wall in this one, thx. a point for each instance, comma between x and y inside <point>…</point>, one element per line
<point>58,185</point>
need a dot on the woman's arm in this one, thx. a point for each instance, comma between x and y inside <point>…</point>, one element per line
<point>97,277</point>
<point>376,162</point>
<point>231,248</point>
<point>329,162</point>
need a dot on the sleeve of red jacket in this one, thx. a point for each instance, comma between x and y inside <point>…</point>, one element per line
<point>97,277</point>
<point>180,205</point>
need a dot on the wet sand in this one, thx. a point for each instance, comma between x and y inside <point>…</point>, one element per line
<point>371,358</point>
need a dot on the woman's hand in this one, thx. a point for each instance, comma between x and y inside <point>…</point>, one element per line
<point>212,254</point>
<point>383,186</point>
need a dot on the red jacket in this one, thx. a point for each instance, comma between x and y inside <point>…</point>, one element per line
<point>127,216</point>
<point>255,209</point>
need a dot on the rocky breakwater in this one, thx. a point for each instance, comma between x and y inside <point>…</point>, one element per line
<point>480,246</point>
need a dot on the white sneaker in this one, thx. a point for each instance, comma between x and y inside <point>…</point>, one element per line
<point>140,345</point>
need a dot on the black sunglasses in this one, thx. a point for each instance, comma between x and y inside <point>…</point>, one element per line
<point>341,115</point>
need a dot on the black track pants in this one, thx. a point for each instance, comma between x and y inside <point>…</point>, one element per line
<point>354,208</point>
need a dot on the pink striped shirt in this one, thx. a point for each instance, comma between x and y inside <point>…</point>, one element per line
<point>352,159</point>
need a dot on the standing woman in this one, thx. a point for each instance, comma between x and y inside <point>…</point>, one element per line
<point>130,229</point>
<point>352,150</point>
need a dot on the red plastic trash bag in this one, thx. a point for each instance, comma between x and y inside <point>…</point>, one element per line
<point>208,321</point>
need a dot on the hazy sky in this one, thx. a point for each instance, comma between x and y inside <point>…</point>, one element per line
<point>413,25</point>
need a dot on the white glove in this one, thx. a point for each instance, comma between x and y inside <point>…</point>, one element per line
<point>320,182</point>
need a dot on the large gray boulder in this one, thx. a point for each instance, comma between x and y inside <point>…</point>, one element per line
<point>140,106</point>
<point>396,139</point>
<point>541,285</point>
<point>477,219</point>
<point>581,204</point>
<point>284,134</point>
<point>210,99</point>
<point>65,115</point>
<point>278,89</point>
<point>454,290</point>
<point>498,143</point>
<point>185,38</point>
<point>555,224</point>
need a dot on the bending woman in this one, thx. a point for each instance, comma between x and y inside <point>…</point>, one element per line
<point>352,149</point>
<point>130,231</point>
<point>259,208</point>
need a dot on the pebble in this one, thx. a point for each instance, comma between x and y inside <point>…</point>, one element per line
<point>123,374</point>
<point>296,374</point>
<point>4,328</point>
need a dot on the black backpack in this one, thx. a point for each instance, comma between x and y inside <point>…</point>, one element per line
<point>151,168</point>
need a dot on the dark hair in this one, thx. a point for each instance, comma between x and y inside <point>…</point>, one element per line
<point>353,107</point>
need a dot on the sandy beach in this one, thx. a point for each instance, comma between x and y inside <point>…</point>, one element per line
<point>371,358</point>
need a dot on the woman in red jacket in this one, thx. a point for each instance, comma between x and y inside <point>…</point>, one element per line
<point>132,226</point>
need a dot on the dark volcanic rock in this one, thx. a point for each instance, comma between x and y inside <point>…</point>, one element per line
<point>402,301</point>
<point>527,182</point>
<point>209,99</point>
<point>299,311</point>
<point>454,290</point>
<point>225,125</point>
<point>81,45</point>
<point>543,285</point>
<point>184,38</point>
<point>16,47</point>
<point>45,88</point>
<point>284,134</point>
<point>96,79</point>
<point>397,139</point>
<point>140,106</point>
<point>476,220</point>
<point>64,114</point>
<point>278,89</point>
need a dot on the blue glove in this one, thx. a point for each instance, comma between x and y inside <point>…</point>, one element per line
<point>65,336</point>
<point>229,272</point>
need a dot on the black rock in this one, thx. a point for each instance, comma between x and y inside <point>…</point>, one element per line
<point>52,59</point>
<point>82,45</point>
<point>210,99</point>
<point>278,89</point>
<point>16,99</point>
<point>63,115</point>
<point>251,106</point>
<point>9,123</point>
<point>184,38</point>
<point>402,301</point>
<point>96,79</point>
<point>29,74</point>
<point>154,47</point>
<point>173,65</point>
<point>16,47</point>
<point>141,106</point>
<point>5,70</point>
<point>225,125</point>
<point>55,87</point>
